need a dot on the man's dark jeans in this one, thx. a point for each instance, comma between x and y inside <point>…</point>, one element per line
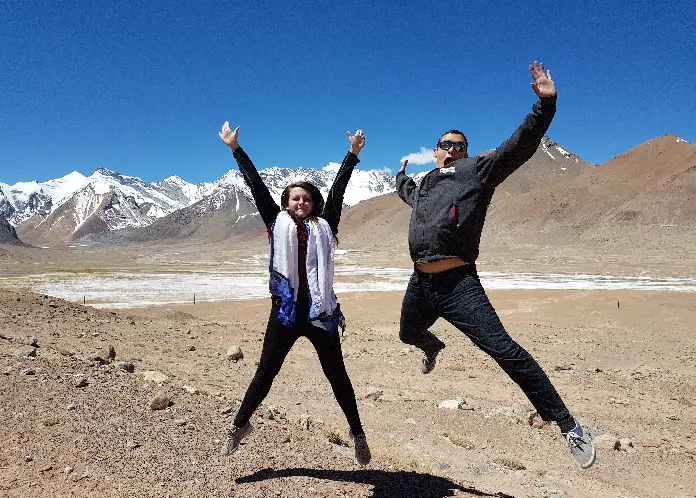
<point>457,296</point>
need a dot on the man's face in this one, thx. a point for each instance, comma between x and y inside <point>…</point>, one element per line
<point>444,157</point>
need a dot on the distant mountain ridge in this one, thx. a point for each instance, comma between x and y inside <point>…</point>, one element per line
<point>72,207</point>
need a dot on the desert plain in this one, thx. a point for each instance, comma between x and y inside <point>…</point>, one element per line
<point>79,423</point>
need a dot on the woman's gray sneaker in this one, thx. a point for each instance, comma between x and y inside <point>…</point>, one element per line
<point>580,446</point>
<point>362,450</point>
<point>234,437</point>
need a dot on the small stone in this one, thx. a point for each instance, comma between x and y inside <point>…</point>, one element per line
<point>607,442</point>
<point>80,381</point>
<point>68,470</point>
<point>190,389</point>
<point>47,468</point>
<point>160,401</point>
<point>30,341</point>
<point>70,407</point>
<point>29,371</point>
<point>132,444</point>
<point>96,359</point>
<point>28,459</point>
<point>7,371</point>
<point>192,348</point>
<point>154,376</point>
<point>234,353</point>
<point>112,353</point>
<point>562,367</point>
<point>304,421</point>
<point>452,404</point>
<point>227,409</point>
<point>125,365</point>
<point>26,352</point>
<point>180,422</point>
<point>625,443</point>
<point>535,420</point>
<point>286,439</point>
<point>373,394</point>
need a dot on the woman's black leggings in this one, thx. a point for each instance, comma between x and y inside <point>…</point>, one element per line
<point>277,343</point>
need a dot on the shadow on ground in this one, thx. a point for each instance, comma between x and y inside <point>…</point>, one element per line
<point>385,484</point>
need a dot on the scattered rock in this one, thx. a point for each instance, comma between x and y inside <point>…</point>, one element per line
<point>190,389</point>
<point>30,341</point>
<point>286,439</point>
<point>80,381</point>
<point>28,459</point>
<point>509,463</point>
<point>96,359</point>
<point>227,410</point>
<point>132,444</point>
<point>68,470</point>
<point>562,367</point>
<point>453,404</point>
<point>154,376</point>
<point>304,421</point>
<point>70,407</point>
<point>160,401</point>
<point>373,394</point>
<point>29,371</point>
<point>192,348</point>
<point>125,365</point>
<point>180,422</point>
<point>625,443</point>
<point>535,420</point>
<point>607,442</point>
<point>111,354</point>
<point>234,353</point>
<point>7,371</point>
<point>26,352</point>
<point>47,468</point>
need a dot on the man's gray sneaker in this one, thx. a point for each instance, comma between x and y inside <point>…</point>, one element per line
<point>362,450</point>
<point>580,446</point>
<point>429,361</point>
<point>234,437</point>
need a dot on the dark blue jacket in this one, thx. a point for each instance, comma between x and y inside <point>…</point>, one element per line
<point>450,204</point>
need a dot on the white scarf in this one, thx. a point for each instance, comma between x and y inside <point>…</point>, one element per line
<point>320,271</point>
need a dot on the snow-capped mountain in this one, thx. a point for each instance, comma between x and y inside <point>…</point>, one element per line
<point>363,184</point>
<point>74,206</point>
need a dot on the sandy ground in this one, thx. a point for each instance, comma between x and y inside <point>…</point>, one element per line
<point>623,361</point>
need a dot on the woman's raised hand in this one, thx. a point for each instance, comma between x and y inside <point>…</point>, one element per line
<point>228,136</point>
<point>357,141</point>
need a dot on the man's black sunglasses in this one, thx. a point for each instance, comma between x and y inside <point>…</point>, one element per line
<point>447,145</point>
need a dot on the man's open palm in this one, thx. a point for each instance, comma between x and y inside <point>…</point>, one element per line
<point>543,85</point>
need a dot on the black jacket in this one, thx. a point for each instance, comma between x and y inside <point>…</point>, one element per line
<point>450,204</point>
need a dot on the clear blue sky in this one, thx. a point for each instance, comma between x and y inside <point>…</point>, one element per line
<point>142,87</point>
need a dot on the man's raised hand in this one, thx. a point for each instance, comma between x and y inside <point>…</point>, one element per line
<point>543,85</point>
<point>357,141</point>
<point>228,136</point>
<point>403,166</point>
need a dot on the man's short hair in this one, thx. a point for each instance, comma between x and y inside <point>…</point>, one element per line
<point>456,132</point>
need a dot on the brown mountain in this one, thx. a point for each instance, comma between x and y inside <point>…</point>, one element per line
<point>646,193</point>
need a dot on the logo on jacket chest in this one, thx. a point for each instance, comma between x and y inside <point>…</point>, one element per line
<point>445,171</point>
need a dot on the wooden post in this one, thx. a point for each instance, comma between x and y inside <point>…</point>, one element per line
<point>194,299</point>
<point>84,300</point>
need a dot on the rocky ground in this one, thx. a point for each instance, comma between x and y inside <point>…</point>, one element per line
<point>77,385</point>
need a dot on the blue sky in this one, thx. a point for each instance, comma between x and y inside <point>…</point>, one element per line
<point>142,87</point>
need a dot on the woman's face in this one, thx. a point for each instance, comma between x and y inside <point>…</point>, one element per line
<point>300,202</point>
